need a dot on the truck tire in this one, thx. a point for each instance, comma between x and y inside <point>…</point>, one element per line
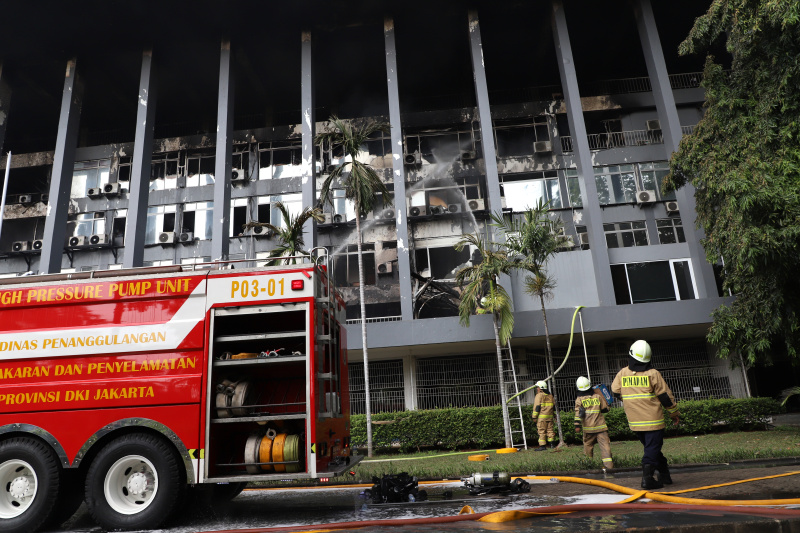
<point>29,479</point>
<point>135,482</point>
<point>225,492</point>
<point>70,497</point>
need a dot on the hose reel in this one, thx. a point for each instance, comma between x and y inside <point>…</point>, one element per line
<point>262,452</point>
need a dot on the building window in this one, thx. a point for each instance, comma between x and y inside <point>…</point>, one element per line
<point>88,224</point>
<point>89,175</point>
<point>670,230</point>
<point>626,234</point>
<point>198,261</point>
<point>583,237</point>
<point>653,175</point>
<point>200,169</point>
<point>198,219</point>
<point>574,188</point>
<point>239,216</point>
<point>443,146</point>
<point>618,184</point>
<point>293,204</point>
<point>164,171</point>
<point>441,262</point>
<point>654,281</point>
<point>160,219</point>
<point>514,138</point>
<point>280,159</point>
<point>118,227</point>
<point>525,191</point>
<point>164,262</point>
<point>345,265</point>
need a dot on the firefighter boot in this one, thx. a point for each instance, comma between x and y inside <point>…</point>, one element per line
<point>663,473</point>
<point>541,448</point>
<point>648,482</point>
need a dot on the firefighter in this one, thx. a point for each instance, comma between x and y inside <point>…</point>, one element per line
<point>644,392</point>
<point>543,409</point>
<point>589,408</point>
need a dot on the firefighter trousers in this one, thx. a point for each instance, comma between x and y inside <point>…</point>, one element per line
<point>544,427</point>
<point>602,440</point>
<point>652,442</point>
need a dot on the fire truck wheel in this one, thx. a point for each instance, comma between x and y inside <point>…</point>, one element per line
<point>70,496</point>
<point>29,477</point>
<point>135,482</point>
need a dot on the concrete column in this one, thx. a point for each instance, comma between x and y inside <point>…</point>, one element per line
<point>671,129</point>
<point>592,216</point>
<point>55,225</point>
<point>5,101</point>
<point>398,175</point>
<point>309,176</point>
<point>410,381</point>
<point>139,194</point>
<point>222,163</point>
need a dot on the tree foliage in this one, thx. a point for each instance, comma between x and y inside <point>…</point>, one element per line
<point>290,234</point>
<point>744,161</point>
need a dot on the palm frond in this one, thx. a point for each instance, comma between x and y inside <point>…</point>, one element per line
<point>788,393</point>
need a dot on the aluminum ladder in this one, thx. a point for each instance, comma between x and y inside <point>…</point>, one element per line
<point>515,416</point>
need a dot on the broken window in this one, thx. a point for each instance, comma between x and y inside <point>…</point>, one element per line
<point>345,265</point>
<point>239,216</point>
<point>444,145</point>
<point>670,230</point>
<point>118,227</point>
<point>198,219</point>
<point>280,159</point>
<point>200,169</point>
<point>124,169</point>
<point>263,209</point>
<point>89,175</point>
<point>517,138</point>
<point>164,171</point>
<point>160,219</point>
<point>240,165</point>
<point>525,191</point>
<point>442,262</point>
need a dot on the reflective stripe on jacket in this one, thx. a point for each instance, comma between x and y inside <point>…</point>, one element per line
<point>643,395</point>
<point>543,406</point>
<point>594,405</point>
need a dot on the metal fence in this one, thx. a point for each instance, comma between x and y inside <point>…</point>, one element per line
<point>461,381</point>
<point>387,392</point>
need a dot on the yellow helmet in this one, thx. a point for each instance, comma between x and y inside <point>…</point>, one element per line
<point>583,383</point>
<point>641,351</point>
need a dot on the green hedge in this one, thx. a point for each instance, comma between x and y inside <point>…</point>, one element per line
<point>482,427</point>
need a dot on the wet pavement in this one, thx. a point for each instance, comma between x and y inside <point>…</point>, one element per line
<point>303,507</point>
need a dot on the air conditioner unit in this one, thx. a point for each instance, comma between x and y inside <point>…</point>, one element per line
<point>186,237</point>
<point>645,197</point>
<point>238,176</point>
<point>385,268</point>
<point>94,192</point>
<point>368,216</point>
<point>111,189</point>
<point>387,214</point>
<point>167,237</point>
<point>45,198</point>
<point>437,210</point>
<point>100,238</point>
<point>542,147</point>
<point>25,199</point>
<point>468,155</point>
<point>654,125</point>
<point>453,208</point>
<point>21,246</point>
<point>412,159</point>
<point>672,208</point>
<point>477,204</point>
<point>328,219</point>
<point>338,219</point>
<point>584,237</point>
<point>38,244</point>
<point>417,211</point>
<point>78,240</point>
<point>262,231</point>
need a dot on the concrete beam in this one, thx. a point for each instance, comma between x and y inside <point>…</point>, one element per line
<point>309,165</point>
<point>222,164</point>
<point>671,128</point>
<point>398,173</point>
<point>138,196</point>
<point>591,214</point>
<point>55,225</point>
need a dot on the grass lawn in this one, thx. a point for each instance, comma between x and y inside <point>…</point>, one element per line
<point>716,448</point>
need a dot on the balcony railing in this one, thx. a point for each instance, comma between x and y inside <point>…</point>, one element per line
<point>687,80</point>
<point>375,319</point>
<point>606,141</point>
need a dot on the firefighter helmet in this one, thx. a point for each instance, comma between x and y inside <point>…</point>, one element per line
<point>641,351</point>
<point>583,383</point>
<point>541,385</point>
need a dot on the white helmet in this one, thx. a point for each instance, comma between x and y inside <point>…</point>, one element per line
<point>541,385</point>
<point>583,383</point>
<point>641,351</point>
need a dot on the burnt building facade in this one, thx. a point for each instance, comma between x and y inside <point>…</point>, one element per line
<point>151,134</point>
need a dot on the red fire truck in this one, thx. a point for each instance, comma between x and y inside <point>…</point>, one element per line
<point>125,387</point>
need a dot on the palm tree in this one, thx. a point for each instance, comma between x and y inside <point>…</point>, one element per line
<point>533,240</point>
<point>482,294</point>
<point>362,185</point>
<point>290,233</point>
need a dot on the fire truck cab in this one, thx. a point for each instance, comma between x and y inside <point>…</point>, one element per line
<point>125,387</point>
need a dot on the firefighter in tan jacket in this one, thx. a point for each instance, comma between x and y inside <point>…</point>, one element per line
<point>543,411</point>
<point>589,420</point>
<point>644,392</point>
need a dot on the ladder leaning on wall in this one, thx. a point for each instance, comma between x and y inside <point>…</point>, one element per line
<point>516,419</point>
